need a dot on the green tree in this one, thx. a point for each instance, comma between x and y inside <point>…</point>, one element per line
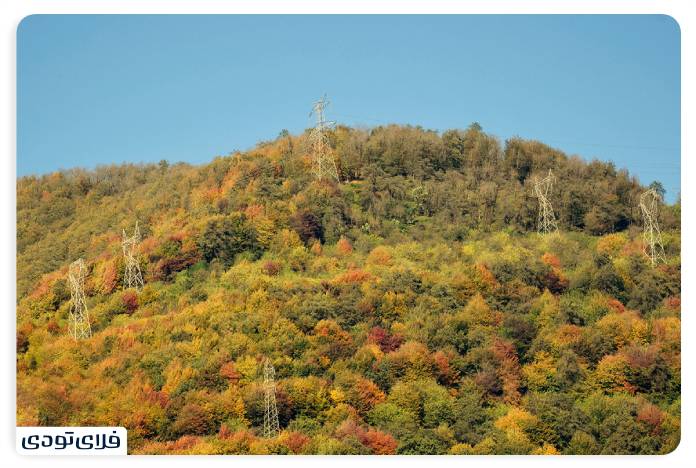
<point>227,236</point>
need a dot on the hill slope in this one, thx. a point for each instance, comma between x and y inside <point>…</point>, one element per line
<point>409,309</point>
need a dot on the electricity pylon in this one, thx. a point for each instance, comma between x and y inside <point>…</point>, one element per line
<point>323,162</point>
<point>270,415</point>
<point>652,236</point>
<point>546,219</point>
<point>79,316</point>
<point>133,277</point>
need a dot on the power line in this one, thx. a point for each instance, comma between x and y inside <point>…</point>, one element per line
<point>546,219</point>
<point>80,327</point>
<point>323,162</point>
<point>133,277</point>
<point>271,427</point>
<point>605,145</point>
<point>652,236</point>
<point>363,118</point>
<point>599,145</point>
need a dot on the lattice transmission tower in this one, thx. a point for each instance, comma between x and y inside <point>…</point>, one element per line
<point>546,219</point>
<point>652,236</point>
<point>323,162</point>
<point>133,277</point>
<point>79,315</point>
<point>270,416</point>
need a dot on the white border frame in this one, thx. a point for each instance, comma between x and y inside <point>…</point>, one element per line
<point>12,12</point>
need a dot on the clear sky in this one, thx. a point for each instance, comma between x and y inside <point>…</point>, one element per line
<point>109,89</point>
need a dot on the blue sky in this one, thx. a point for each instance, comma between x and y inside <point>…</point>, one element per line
<point>109,89</point>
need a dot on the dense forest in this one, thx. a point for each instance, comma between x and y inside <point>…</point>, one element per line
<point>409,308</point>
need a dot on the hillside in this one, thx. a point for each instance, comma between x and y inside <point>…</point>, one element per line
<point>411,308</point>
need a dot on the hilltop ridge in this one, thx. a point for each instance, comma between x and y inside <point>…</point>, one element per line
<point>411,308</point>
<point>397,178</point>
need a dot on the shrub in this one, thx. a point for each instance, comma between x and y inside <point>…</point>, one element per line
<point>192,420</point>
<point>130,301</point>
<point>226,236</point>
<point>271,268</point>
<point>344,247</point>
<point>308,226</point>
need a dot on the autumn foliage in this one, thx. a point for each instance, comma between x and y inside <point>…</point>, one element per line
<point>410,309</point>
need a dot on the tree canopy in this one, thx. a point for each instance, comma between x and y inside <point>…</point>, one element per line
<point>412,308</point>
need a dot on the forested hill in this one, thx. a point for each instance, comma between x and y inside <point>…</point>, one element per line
<point>399,181</point>
<point>410,308</point>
